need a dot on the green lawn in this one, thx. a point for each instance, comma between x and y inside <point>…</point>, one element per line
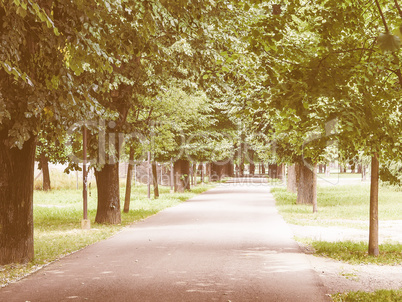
<point>377,296</point>
<point>347,206</point>
<point>57,222</point>
<point>337,204</point>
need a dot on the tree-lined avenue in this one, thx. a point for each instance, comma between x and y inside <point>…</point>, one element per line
<point>228,244</point>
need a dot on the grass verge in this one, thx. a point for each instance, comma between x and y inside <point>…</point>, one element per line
<point>377,296</point>
<point>57,223</point>
<point>356,252</point>
<point>339,203</point>
<point>346,206</point>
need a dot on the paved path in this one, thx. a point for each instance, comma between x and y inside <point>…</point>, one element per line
<point>228,244</point>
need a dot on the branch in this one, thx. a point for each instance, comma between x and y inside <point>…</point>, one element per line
<point>398,7</point>
<point>382,17</point>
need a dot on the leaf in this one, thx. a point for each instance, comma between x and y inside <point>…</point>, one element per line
<point>389,42</point>
<point>22,12</point>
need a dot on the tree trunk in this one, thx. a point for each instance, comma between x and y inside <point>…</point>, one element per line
<point>262,168</point>
<point>328,169</point>
<point>208,171</point>
<point>201,167</point>
<point>252,165</point>
<point>230,168</point>
<point>195,173</point>
<point>307,186</point>
<point>216,171</point>
<point>107,182</point>
<point>181,175</point>
<point>128,182</point>
<point>44,163</point>
<point>292,178</point>
<point>155,179</point>
<point>16,201</point>
<point>281,169</point>
<point>321,168</point>
<point>241,155</point>
<point>273,171</point>
<point>364,174</point>
<point>191,174</point>
<point>373,249</point>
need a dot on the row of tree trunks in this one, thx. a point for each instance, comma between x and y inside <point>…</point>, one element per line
<point>221,170</point>
<point>16,201</point>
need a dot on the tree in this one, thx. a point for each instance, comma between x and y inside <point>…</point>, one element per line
<point>34,82</point>
<point>324,74</point>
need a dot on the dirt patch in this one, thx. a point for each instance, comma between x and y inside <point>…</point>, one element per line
<point>338,276</point>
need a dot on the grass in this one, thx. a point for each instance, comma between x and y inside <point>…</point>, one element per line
<point>377,296</point>
<point>356,252</point>
<point>341,175</point>
<point>57,222</point>
<point>346,206</point>
<point>338,204</point>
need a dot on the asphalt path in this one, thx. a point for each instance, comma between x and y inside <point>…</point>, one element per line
<point>227,244</point>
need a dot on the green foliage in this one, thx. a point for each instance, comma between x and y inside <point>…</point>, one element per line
<point>388,42</point>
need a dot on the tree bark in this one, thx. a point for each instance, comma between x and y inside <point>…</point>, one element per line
<point>155,179</point>
<point>230,168</point>
<point>292,178</point>
<point>307,186</point>
<point>273,171</point>
<point>281,169</point>
<point>252,165</point>
<point>128,181</point>
<point>181,170</point>
<point>216,171</point>
<point>16,201</point>
<point>208,171</point>
<point>321,168</point>
<point>191,174</point>
<point>262,168</point>
<point>201,167</point>
<point>364,174</point>
<point>373,248</point>
<point>107,182</point>
<point>241,155</point>
<point>44,163</point>
<point>195,174</point>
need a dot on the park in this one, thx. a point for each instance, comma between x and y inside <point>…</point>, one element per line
<point>200,150</point>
